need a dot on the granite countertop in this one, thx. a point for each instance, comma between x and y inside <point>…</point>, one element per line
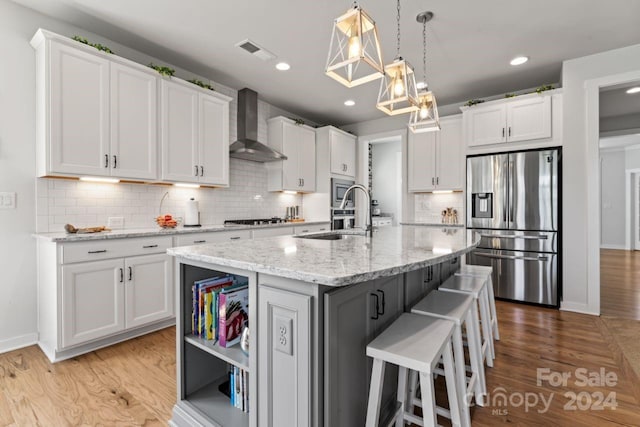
<point>432,224</point>
<point>156,231</point>
<point>355,259</point>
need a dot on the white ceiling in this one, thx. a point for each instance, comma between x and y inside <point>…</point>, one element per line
<point>470,43</point>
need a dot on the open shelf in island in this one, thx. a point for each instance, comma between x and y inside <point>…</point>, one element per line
<point>210,402</point>
<point>232,355</point>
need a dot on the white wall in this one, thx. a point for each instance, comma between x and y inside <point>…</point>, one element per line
<point>580,188</point>
<point>387,177</point>
<point>17,173</point>
<point>612,207</point>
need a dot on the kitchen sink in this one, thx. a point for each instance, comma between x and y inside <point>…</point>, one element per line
<point>328,236</point>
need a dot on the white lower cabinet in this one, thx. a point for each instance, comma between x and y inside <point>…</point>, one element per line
<point>92,301</point>
<point>96,293</point>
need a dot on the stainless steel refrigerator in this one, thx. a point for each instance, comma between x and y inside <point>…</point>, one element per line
<point>513,202</point>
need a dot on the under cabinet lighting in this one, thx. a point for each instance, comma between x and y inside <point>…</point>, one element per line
<point>634,90</point>
<point>442,191</point>
<point>290,192</point>
<point>186,185</point>
<point>96,179</point>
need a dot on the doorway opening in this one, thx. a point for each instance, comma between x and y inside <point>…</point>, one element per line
<point>619,148</point>
<point>385,180</point>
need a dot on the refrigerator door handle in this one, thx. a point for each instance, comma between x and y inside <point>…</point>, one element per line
<point>505,201</point>
<point>502,236</point>
<point>511,195</point>
<point>523,258</point>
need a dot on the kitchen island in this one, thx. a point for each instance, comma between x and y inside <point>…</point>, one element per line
<point>314,304</point>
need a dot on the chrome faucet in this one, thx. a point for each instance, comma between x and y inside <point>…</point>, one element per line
<point>369,227</point>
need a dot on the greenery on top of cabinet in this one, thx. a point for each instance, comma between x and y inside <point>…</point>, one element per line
<point>96,45</point>
<point>201,84</point>
<point>165,71</point>
<point>538,90</point>
<point>472,102</point>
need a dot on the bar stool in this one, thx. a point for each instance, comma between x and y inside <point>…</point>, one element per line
<point>486,272</point>
<point>417,343</point>
<point>477,288</point>
<point>462,311</point>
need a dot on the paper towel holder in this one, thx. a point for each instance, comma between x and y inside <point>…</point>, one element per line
<point>189,216</point>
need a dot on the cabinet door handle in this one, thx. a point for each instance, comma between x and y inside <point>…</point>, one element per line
<point>304,231</point>
<point>509,130</point>
<point>121,275</point>
<point>376,317</point>
<point>115,162</point>
<point>130,273</point>
<point>149,246</point>
<point>235,238</point>
<point>437,180</point>
<point>433,181</point>
<point>503,132</point>
<point>383,302</point>
<point>196,170</point>
<point>201,170</point>
<point>103,251</point>
<point>106,160</point>
<point>303,182</point>
<point>199,241</point>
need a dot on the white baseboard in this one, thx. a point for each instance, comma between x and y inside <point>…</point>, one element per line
<point>18,342</point>
<point>621,247</point>
<point>577,308</point>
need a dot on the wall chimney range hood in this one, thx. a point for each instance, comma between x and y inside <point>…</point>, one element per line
<point>247,147</point>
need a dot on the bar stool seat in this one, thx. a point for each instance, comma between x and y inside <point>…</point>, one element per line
<point>477,288</point>
<point>413,342</point>
<point>462,311</point>
<point>487,272</point>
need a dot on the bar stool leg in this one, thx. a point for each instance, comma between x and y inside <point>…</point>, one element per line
<point>458,356</point>
<point>475,353</point>
<point>485,318</point>
<point>402,395</point>
<point>429,398</point>
<point>492,306</point>
<point>450,379</point>
<point>375,393</point>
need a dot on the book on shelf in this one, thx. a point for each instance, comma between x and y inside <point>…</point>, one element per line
<point>199,289</point>
<point>233,309</point>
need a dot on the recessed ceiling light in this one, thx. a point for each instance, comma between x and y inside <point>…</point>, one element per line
<point>519,60</point>
<point>283,66</point>
<point>421,85</point>
<point>349,102</point>
<point>634,90</point>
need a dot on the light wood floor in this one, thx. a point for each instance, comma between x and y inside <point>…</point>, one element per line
<point>133,383</point>
<point>620,283</point>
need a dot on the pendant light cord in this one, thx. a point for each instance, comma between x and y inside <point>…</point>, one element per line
<point>398,37</point>
<point>424,55</point>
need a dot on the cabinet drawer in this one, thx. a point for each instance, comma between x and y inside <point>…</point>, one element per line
<point>298,229</point>
<point>105,249</point>
<point>271,232</point>
<point>212,237</point>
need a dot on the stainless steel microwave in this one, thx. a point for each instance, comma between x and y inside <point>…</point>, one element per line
<point>338,189</point>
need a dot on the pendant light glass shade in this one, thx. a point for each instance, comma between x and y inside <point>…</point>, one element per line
<point>398,93</point>
<point>354,54</point>
<point>425,119</point>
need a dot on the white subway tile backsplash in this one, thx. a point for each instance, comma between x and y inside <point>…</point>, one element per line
<point>428,206</point>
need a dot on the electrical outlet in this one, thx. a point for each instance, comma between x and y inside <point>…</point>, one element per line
<point>115,222</point>
<point>7,200</point>
<point>282,335</point>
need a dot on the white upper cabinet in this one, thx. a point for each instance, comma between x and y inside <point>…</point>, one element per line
<point>96,113</point>
<point>195,134</point>
<point>73,114</point>
<point>343,152</point>
<point>511,120</point>
<point>340,149</point>
<point>134,122</point>
<point>298,143</point>
<point>435,159</point>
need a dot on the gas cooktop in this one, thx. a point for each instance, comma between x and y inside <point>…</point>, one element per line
<point>259,221</point>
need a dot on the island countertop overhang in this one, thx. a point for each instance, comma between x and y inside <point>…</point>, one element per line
<point>391,251</point>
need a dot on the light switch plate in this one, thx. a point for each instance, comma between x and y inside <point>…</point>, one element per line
<point>115,222</point>
<point>282,335</point>
<point>7,200</point>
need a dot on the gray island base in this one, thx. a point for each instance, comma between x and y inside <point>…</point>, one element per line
<point>314,305</point>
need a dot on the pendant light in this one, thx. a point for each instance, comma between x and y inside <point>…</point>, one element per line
<point>354,53</point>
<point>425,119</point>
<point>398,93</point>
